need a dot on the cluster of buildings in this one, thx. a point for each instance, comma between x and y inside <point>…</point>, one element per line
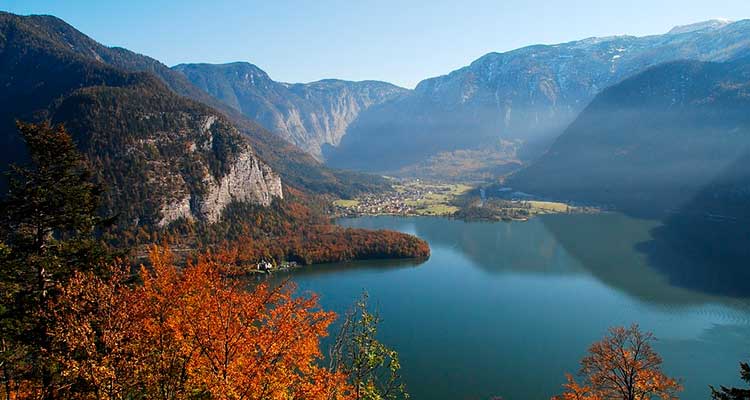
<point>266,266</point>
<point>404,201</point>
<point>392,203</point>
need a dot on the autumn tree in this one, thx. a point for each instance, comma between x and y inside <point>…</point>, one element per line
<point>91,338</point>
<point>725,393</point>
<point>48,221</point>
<point>191,333</point>
<point>372,368</point>
<point>624,366</point>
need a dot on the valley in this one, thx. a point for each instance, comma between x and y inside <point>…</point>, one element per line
<point>408,197</point>
<point>473,166</point>
<point>418,197</point>
<point>182,229</point>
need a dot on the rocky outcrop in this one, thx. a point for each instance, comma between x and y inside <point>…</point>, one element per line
<point>172,211</point>
<point>203,197</point>
<point>163,157</point>
<point>312,115</point>
<point>248,180</point>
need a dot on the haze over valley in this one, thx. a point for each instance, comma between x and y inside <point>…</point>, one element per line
<point>567,220</point>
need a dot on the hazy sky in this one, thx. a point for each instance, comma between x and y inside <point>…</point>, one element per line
<point>397,41</point>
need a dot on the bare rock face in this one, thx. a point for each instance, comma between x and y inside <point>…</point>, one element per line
<point>310,115</point>
<point>248,180</point>
<point>171,159</point>
<point>244,178</point>
<point>170,212</point>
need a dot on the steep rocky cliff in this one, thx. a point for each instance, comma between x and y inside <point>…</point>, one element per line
<point>248,180</point>
<point>167,157</point>
<point>312,116</point>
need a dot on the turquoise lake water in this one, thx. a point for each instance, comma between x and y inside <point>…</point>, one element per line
<point>505,309</point>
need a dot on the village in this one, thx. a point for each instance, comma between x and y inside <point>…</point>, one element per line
<point>416,197</point>
<point>409,198</point>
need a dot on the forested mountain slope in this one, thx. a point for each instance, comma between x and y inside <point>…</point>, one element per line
<point>162,157</point>
<point>54,37</point>
<point>653,142</point>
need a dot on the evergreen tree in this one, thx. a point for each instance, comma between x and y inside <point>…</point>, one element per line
<point>48,224</point>
<point>725,393</point>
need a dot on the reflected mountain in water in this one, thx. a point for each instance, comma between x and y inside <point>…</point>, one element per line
<point>495,298</point>
<point>670,144</point>
<point>610,247</point>
<point>624,253</point>
<point>705,245</point>
<point>381,266</point>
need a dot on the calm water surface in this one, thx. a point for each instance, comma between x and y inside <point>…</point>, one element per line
<point>505,309</point>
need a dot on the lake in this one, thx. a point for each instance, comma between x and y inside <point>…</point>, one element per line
<point>505,309</point>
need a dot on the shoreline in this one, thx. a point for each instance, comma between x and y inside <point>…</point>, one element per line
<point>417,198</point>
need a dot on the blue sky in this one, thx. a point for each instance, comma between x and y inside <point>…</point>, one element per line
<point>397,41</point>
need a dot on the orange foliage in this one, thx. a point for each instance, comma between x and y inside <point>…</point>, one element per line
<point>293,231</point>
<point>191,333</point>
<point>574,391</point>
<point>329,243</point>
<point>622,366</point>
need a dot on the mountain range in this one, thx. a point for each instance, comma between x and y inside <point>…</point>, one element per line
<point>313,116</point>
<point>165,149</point>
<point>526,96</point>
<point>637,129</point>
<point>501,111</point>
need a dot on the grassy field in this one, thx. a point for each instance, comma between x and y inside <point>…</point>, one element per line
<point>418,197</point>
<point>541,207</point>
<point>346,203</point>
<point>436,199</point>
<point>428,207</point>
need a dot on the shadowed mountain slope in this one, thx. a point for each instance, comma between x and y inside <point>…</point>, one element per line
<point>528,96</point>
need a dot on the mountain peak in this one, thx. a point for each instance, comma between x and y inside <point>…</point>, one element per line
<point>711,24</point>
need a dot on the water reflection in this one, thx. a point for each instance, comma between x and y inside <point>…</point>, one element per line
<point>618,250</point>
<point>701,255</point>
<point>494,299</point>
<point>607,245</point>
<point>684,353</point>
<point>496,248</point>
<point>375,266</point>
